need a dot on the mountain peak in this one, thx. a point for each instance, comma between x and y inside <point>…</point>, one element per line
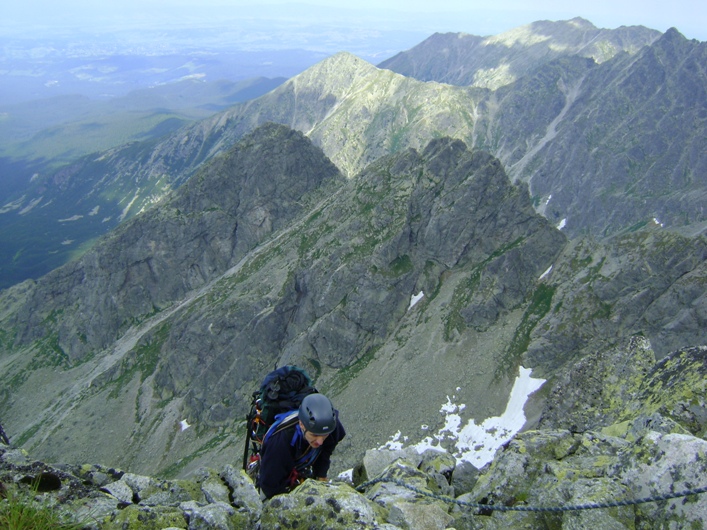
<point>672,34</point>
<point>342,62</point>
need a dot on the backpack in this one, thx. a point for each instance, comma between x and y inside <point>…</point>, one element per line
<point>280,393</point>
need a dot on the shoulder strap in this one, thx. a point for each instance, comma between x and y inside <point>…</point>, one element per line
<point>284,421</point>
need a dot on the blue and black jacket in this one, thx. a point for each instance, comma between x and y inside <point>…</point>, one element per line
<point>286,456</point>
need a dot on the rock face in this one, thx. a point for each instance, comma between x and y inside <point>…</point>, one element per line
<point>659,269</point>
<point>181,245</point>
<point>611,387</point>
<point>648,463</point>
<point>329,287</point>
<point>605,187</point>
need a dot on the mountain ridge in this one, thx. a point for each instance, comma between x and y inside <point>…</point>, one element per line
<point>329,287</point>
<point>541,126</point>
<point>476,61</point>
<point>287,315</point>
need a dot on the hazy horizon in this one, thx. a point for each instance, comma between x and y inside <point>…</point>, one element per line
<point>105,49</point>
<point>475,17</point>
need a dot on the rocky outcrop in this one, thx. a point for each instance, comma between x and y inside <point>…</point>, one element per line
<point>561,470</point>
<point>111,499</point>
<point>644,471</point>
<point>645,283</point>
<point>611,387</point>
<point>542,478</point>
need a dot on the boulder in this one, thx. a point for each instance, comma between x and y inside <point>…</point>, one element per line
<point>376,460</point>
<point>562,470</point>
<point>320,505</point>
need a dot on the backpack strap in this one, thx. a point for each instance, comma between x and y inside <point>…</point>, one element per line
<point>282,422</point>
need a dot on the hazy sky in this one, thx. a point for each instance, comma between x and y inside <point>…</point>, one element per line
<point>688,14</point>
<point>479,17</point>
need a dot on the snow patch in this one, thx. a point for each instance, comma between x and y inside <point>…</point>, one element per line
<point>414,299</point>
<point>545,273</point>
<point>562,224</point>
<point>31,205</point>
<point>394,444</point>
<point>124,214</point>
<point>72,218</point>
<point>477,444</point>
<point>16,205</point>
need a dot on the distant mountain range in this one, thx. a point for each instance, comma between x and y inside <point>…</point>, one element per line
<point>579,114</point>
<point>493,62</point>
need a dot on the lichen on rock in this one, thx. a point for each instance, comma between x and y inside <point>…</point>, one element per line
<point>320,505</point>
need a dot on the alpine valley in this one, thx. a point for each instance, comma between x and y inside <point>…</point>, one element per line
<point>407,232</point>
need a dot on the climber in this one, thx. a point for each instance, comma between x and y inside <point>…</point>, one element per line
<point>299,446</point>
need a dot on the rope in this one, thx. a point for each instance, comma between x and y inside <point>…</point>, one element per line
<point>524,508</point>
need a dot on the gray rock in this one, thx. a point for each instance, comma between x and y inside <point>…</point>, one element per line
<point>560,469</point>
<point>375,461</point>
<point>626,382</point>
<point>317,505</point>
<point>418,516</point>
<point>16,457</point>
<point>99,478</point>
<point>245,495</point>
<point>438,461</point>
<point>215,491</point>
<point>216,516</point>
<point>120,490</point>
<point>136,517</point>
<point>388,490</point>
<point>464,477</point>
<point>593,392</point>
<point>662,463</point>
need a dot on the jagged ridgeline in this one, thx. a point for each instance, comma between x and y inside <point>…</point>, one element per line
<point>606,127</point>
<point>268,255</point>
